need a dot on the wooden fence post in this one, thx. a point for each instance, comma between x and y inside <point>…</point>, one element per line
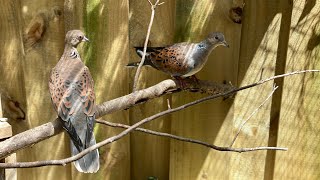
<point>6,132</point>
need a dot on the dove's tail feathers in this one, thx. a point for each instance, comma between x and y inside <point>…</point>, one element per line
<point>149,53</point>
<point>67,125</point>
<point>133,64</point>
<point>139,50</point>
<point>147,62</point>
<point>88,163</point>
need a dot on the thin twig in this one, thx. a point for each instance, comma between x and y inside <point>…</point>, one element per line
<point>131,128</point>
<point>65,161</point>
<point>194,141</point>
<point>252,114</point>
<point>136,77</point>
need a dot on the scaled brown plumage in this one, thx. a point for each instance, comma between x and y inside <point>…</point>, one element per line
<point>181,59</point>
<point>72,93</point>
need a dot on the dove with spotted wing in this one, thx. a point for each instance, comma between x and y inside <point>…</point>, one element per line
<point>72,93</point>
<point>181,59</point>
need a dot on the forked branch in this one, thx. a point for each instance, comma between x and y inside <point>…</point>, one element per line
<point>133,127</point>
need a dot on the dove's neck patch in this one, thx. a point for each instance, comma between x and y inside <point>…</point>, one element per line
<point>201,46</point>
<point>74,53</point>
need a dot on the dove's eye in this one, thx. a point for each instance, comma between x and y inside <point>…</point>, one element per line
<point>80,37</point>
<point>216,37</point>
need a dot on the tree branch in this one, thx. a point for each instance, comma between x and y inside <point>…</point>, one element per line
<point>165,87</point>
<point>45,131</point>
<point>119,136</point>
<point>184,139</point>
<point>29,137</point>
<point>52,128</point>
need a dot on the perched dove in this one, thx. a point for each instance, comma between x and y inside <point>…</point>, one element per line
<point>72,95</point>
<point>181,59</point>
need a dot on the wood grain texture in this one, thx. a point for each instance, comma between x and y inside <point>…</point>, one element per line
<point>299,116</point>
<point>12,55</point>
<point>5,130</point>
<point>259,49</point>
<point>11,174</point>
<point>105,23</point>
<point>38,62</point>
<point>150,154</point>
<point>208,121</point>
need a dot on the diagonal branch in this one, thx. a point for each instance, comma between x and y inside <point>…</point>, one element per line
<point>165,87</point>
<point>50,129</point>
<point>124,133</point>
<point>184,139</point>
<point>53,128</point>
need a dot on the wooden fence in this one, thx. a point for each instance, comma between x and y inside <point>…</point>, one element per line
<point>274,37</point>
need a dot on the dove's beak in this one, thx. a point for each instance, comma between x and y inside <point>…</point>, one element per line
<point>85,39</point>
<point>225,44</point>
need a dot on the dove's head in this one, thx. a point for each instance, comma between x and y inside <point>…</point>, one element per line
<point>75,37</point>
<point>217,38</point>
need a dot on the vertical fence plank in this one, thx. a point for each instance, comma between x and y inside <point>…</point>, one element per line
<point>299,116</point>
<point>105,22</point>
<point>41,54</point>
<point>207,121</point>
<point>112,38</point>
<point>150,154</point>
<point>11,60</point>
<point>12,55</point>
<point>259,49</point>
<point>6,132</point>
